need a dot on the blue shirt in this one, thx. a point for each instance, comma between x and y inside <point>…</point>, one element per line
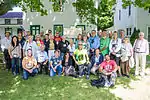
<point>55,61</point>
<point>42,56</point>
<point>94,42</point>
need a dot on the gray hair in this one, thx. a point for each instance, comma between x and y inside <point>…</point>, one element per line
<point>141,33</point>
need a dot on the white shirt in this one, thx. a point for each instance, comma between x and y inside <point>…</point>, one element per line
<point>141,46</point>
<point>71,49</point>
<point>5,43</point>
<point>126,49</point>
<point>115,46</point>
<point>32,46</point>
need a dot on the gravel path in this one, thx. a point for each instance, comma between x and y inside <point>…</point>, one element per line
<point>140,89</point>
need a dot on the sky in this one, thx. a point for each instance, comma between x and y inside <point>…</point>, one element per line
<point>16,9</point>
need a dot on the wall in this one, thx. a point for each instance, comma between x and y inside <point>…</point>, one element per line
<point>143,21</point>
<point>126,20</point>
<point>68,17</point>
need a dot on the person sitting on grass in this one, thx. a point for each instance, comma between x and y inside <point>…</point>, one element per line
<point>42,59</point>
<point>68,67</point>
<point>81,58</point>
<point>96,60</point>
<point>108,70</point>
<point>56,64</point>
<point>29,64</point>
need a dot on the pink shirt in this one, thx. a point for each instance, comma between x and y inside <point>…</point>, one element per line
<point>141,46</point>
<point>108,66</point>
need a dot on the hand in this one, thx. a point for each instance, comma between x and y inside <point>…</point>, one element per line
<point>30,71</point>
<point>95,65</point>
<point>92,50</point>
<point>76,62</point>
<point>11,57</point>
<point>44,63</point>
<point>114,53</point>
<point>54,69</point>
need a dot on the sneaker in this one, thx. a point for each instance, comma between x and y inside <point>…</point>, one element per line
<point>87,77</point>
<point>14,74</point>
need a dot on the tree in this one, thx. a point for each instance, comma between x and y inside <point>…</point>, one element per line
<point>88,13</point>
<point>36,5</point>
<point>137,3</point>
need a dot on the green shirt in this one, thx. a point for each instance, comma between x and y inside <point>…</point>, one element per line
<point>104,42</point>
<point>80,56</point>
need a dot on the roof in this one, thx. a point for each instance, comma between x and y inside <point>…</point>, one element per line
<point>12,15</point>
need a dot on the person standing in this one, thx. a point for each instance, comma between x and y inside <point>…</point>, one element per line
<point>57,40</point>
<point>15,55</point>
<point>51,47</point>
<point>5,43</point>
<point>86,44</point>
<point>104,43</point>
<point>115,49</point>
<point>71,47</point>
<point>79,38</point>
<point>46,42</point>
<point>122,35</point>
<point>30,44</point>
<point>126,53</point>
<point>63,46</point>
<point>141,49</point>
<point>94,42</point>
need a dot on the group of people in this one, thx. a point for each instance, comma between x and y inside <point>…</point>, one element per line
<point>109,55</point>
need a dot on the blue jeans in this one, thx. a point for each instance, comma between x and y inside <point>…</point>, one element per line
<point>26,74</point>
<point>58,69</point>
<point>15,65</point>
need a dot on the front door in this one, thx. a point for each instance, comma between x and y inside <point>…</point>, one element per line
<point>35,29</point>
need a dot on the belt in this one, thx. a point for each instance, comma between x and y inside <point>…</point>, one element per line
<point>139,52</point>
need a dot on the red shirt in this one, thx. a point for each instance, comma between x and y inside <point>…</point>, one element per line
<point>57,39</point>
<point>108,66</point>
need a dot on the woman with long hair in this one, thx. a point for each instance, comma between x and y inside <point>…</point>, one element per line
<point>15,54</point>
<point>79,38</point>
<point>68,67</point>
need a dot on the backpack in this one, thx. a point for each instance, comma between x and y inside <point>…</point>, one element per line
<point>99,82</point>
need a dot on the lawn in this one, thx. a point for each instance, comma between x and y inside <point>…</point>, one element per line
<point>42,87</point>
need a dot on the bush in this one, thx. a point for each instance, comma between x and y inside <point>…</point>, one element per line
<point>134,35</point>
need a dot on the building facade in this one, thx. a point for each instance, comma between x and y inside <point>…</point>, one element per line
<point>11,22</point>
<point>130,18</point>
<point>55,20</point>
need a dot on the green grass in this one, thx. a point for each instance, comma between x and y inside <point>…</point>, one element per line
<point>148,58</point>
<point>42,87</point>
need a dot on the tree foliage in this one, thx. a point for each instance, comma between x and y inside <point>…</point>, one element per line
<point>101,16</point>
<point>137,3</point>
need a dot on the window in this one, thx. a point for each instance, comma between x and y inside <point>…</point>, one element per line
<point>19,21</point>
<point>129,30</point>
<point>8,30</point>
<point>81,26</point>
<point>58,28</point>
<point>119,14</point>
<point>35,29</point>
<point>129,10</point>
<point>149,10</point>
<point>7,21</point>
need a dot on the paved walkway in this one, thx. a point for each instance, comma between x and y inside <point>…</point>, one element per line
<point>140,89</point>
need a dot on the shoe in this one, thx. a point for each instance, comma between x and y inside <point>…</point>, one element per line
<point>87,77</point>
<point>127,76</point>
<point>14,74</point>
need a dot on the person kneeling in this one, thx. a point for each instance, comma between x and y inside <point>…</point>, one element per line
<point>42,59</point>
<point>29,64</point>
<point>55,64</point>
<point>81,58</point>
<point>108,70</point>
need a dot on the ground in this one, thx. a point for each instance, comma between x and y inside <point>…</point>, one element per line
<point>42,87</point>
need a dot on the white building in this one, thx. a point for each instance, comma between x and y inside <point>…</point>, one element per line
<point>55,21</point>
<point>130,18</point>
<point>10,22</point>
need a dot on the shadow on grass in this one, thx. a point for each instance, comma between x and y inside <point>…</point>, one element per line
<point>42,87</point>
